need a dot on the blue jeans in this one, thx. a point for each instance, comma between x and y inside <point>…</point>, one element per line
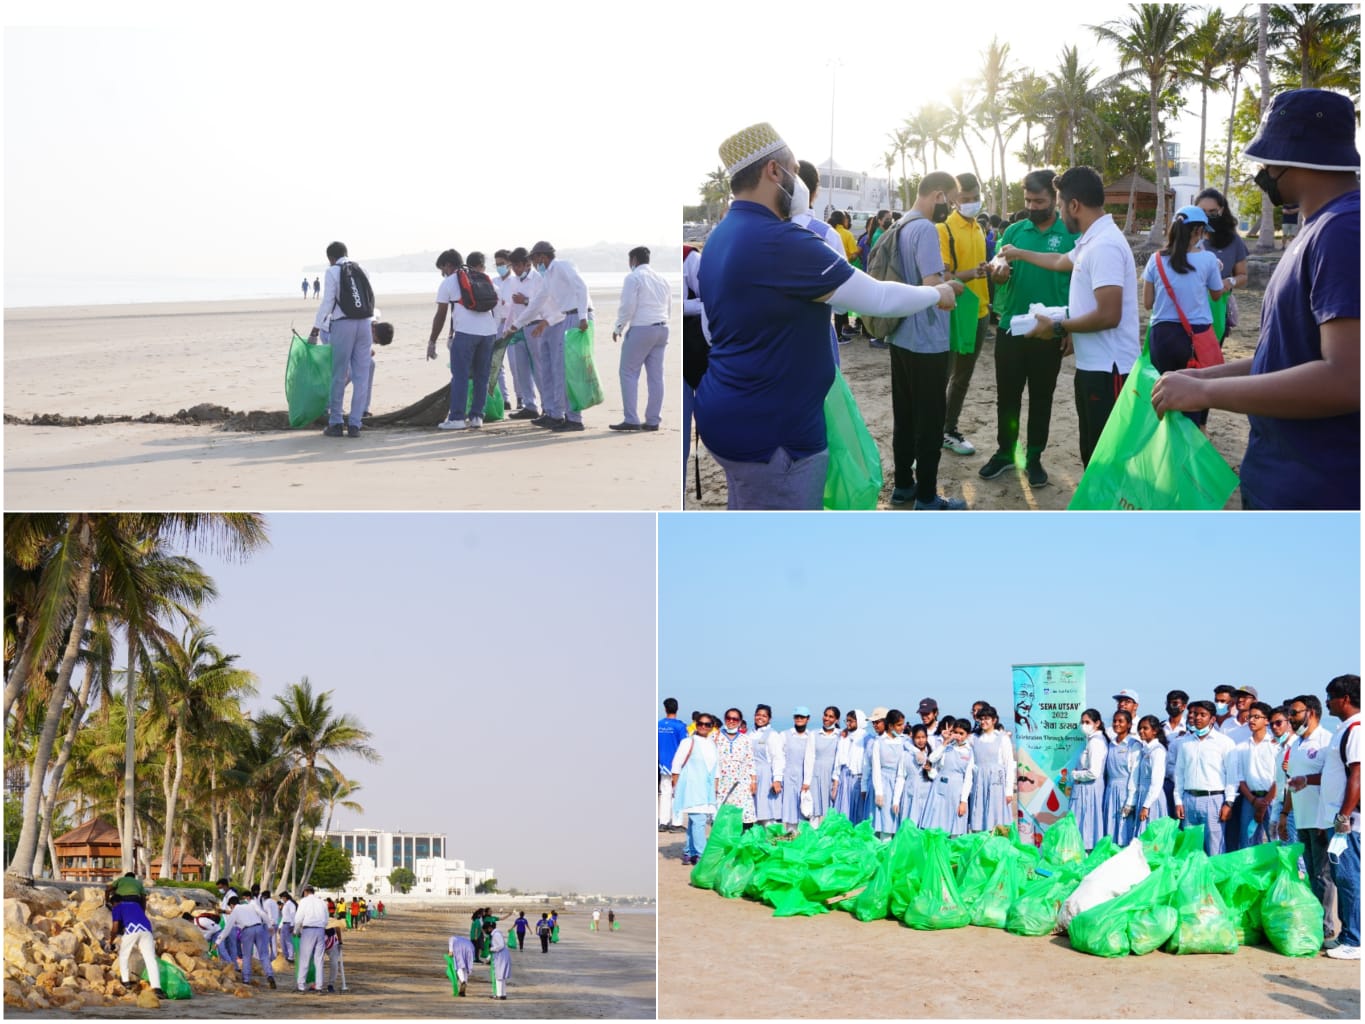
<point>471,358</point>
<point>1346,872</point>
<point>695,843</point>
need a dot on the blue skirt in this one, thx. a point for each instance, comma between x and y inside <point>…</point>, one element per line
<point>767,804</point>
<point>1087,803</point>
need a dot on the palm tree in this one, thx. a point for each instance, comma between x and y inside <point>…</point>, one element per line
<point>1152,42</point>
<point>1312,35</point>
<point>1027,102</point>
<point>313,733</point>
<point>889,159</point>
<point>1265,237</point>
<point>995,79</point>
<point>1208,48</point>
<point>715,193</point>
<point>1238,55</point>
<point>932,119</point>
<point>962,122</point>
<point>1072,96</point>
<point>196,689</point>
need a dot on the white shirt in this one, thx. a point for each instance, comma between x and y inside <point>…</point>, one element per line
<point>1306,758</point>
<point>1255,762</point>
<point>331,286</point>
<point>244,915</point>
<point>1157,755</point>
<point>645,299</point>
<point>463,319</point>
<point>850,753</point>
<point>223,899</point>
<point>287,912</point>
<point>562,290</point>
<point>1091,766</point>
<point>1203,764</point>
<point>519,315</point>
<point>692,283</point>
<point>1334,774</point>
<point>312,912</point>
<point>1102,259</point>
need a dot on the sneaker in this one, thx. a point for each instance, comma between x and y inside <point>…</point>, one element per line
<point>844,339</point>
<point>525,414</point>
<point>877,343</point>
<point>998,464</point>
<point>567,425</point>
<point>475,422</point>
<point>1344,953</point>
<point>1037,475</point>
<point>624,425</point>
<point>330,988</point>
<point>270,981</point>
<point>451,425</point>
<point>958,444</point>
<point>548,422</point>
<point>1331,943</point>
<point>334,430</point>
<point>352,431</point>
<point>941,504</point>
<point>903,495</point>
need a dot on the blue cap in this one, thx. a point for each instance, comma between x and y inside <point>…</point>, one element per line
<point>1193,214</point>
<point>801,711</point>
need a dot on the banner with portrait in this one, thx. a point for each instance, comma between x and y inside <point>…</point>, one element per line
<point>1048,701</point>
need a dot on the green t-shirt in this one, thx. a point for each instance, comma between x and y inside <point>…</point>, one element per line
<point>1027,283</point>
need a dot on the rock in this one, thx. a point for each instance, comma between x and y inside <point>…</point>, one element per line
<point>241,992</point>
<point>19,941</point>
<point>96,916</point>
<point>176,935</point>
<point>93,975</point>
<point>116,988</point>
<point>16,913</point>
<point>147,1000</point>
<point>65,943</point>
<point>185,962</point>
<point>45,925</point>
<point>48,980</point>
<point>159,905</point>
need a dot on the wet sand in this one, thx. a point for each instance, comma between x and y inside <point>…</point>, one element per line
<point>395,968</point>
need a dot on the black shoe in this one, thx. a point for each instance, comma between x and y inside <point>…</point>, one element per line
<point>334,430</point>
<point>330,988</point>
<point>625,426</point>
<point>270,981</point>
<point>548,422</point>
<point>997,465</point>
<point>352,431</point>
<point>650,427</point>
<point>567,425</point>
<point>160,993</point>
<point>524,414</point>
<point>1037,475</point>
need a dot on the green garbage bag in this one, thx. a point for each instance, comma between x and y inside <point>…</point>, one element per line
<point>1220,316</point>
<point>1158,841</point>
<point>992,906</point>
<point>1189,840</point>
<point>937,904</point>
<point>1062,842</point>
<point>1151,927</point>
<point>307,381</point>
<point>1290,914</point>
<point>726,831</point>
<point>312,976</point>
<point>580,372</point>
<point>1205,926</point>
<point>962,329</point>
<point>511,938</point>
<point>853,479</point>
<point>1142,462</point>
<point>735,872</point>
<point>450,973</point>
<point>1242,877</point>
<point>1133,922</point>
<point>554,934</point>
<point>907,861</point>
<point>492,406</point>
<point>1034,912</point>
<point>173,980</point>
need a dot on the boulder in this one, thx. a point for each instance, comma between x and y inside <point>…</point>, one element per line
<point>16,913</point>
<point>93,975</point>
<point>65,943</point>
<point>116,988</point>
<point>45,925</point>
<point>19,941</point>
<point>147,1000</point>
<point>161,905</point>
<point>176,935</point>
<point>95,915</point>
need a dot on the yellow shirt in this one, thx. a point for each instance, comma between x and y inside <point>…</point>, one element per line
<point>970,242</point>
<point>850,243</point>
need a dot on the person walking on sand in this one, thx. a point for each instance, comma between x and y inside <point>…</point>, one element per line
<point>305,287</point>
<point>642,318</point>
<point>346,313</point>
<point>317,288</point>
<point>501,959</point>
<point>462,958</point>
<point>596,918</point>
<point>129,920</point>
<point>543,928</point>
<point>310,921</point>
<point>521,925</point>
<point>561,303</point>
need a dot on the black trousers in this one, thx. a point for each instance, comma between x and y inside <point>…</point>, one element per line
<point>1096,392</point>
<point>919,401</point>
<point>545,942</point>
<point>1020,362</point>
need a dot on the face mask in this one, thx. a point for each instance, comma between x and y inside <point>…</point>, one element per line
<point>1201,732</point>
<point>1087,728</point>
<point>1041,216</point>
<point>1270,186</point>
<point>799,726</point>
<point>941,211</point>
<point>1301,730</point>
<point>797,200</point>
<point>1283,738</point>
<point>969,210</point>
<point>540,268</point>
<point>503,270</point>
<point>1221,709</point>
<point>731,730</point>
<point>1173,709</point>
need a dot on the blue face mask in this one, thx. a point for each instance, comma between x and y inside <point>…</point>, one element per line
<point>731,730</point>
<point>1284,737</point>
<point>1221,709</point>
<point>1202,732</point>
<point>503,270</point>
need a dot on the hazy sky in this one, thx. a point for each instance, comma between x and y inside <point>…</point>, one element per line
<point>892,59</point>
<point>862,610</point>
<point>504,664</point>
<point>154,139</point>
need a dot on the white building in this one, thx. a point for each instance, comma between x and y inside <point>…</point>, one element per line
<point>375,853</point>
<point>842,189</point>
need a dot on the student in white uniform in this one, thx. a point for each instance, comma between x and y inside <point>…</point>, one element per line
<point>642,317</point>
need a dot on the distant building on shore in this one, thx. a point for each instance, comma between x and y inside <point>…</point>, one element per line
<point>375,853</point>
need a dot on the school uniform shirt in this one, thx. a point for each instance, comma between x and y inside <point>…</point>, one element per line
<point>518,315</point>
<point>1146,786</point>
<point>1103,259</point>
<point>463,319</point>
<point>288,912</point>
<point>1334,774</point>
<point>311,913</point>
<point>1307,463</point>
<point>645,300</point>
<point>331,288</point>
<point>771,364</point>
<point>1203,764</point>
<point>562,291</point>
<point>1191,288</point>
<point>245,915</point>
<point>1254,763</point>
<point>223,900</point>
<point>1306,758</point>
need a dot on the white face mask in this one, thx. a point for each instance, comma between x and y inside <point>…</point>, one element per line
<point>1088,728</point>
<point>969,210</point>
<point>800,195</point>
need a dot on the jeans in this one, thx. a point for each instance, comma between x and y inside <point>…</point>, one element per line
<point>1034,362</point>
<point>695,843</point>
<point>1346,872</point>
<point>471,358</point>
<point>780,483</point>
<point>1096,393</point>
<point>643,347</point>
<point>1320,875</point>
<point>919,403</point>
<point>352,344</point>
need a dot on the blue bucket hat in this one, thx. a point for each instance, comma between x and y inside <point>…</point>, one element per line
<point>1310,128</point>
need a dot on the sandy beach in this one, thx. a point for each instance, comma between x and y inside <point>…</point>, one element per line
<point>738,953</point>
<point>868,372</point>
<point>395,969</point>
<point>159,359</point>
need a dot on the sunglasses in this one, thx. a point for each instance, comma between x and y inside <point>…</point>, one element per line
<point>729,718</point>
<point>705,724</point>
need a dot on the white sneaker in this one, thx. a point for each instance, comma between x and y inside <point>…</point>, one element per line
<point>475,422</point>
<point>1344,953</point>
<point>451,425</point>
<point>958,444</point>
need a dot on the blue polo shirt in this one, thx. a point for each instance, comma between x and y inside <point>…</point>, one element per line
<point>770,365</point>
<point>672,732</point>
<point>131,916</point>
<point>1307,464</point>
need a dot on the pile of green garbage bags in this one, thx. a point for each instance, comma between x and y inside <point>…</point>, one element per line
<point>1189,903</point>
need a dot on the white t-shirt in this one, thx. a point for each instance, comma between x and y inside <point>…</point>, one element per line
<point>1306,758</point>
<point>1334,774</point>
<point>1102,259</point>
<point>464,320</point>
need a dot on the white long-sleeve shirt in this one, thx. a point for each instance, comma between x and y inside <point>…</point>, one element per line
<point>519,315</point>
<point>1156,754</point>
<point>1091,767</point>
<point>287,913</point>
<point>331,287</point>
<point>563,290</point>
<point>312,912</point>
<point>1202,763</point>
<point>645,299</point>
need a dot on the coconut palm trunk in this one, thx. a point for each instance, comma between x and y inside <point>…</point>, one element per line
<point>130,757</point>
<point>172,797</point>
<point>1158,231</point>
<point>1265,238</point>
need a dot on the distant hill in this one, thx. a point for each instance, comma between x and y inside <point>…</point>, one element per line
<point>601,256</point>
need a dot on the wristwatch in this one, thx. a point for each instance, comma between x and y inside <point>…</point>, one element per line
<point>1058,331</point>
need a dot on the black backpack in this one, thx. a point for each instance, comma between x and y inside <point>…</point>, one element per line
<point>477,291</point>
<point>355,297</point>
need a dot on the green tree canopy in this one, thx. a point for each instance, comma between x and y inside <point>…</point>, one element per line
<point>402,879</point>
